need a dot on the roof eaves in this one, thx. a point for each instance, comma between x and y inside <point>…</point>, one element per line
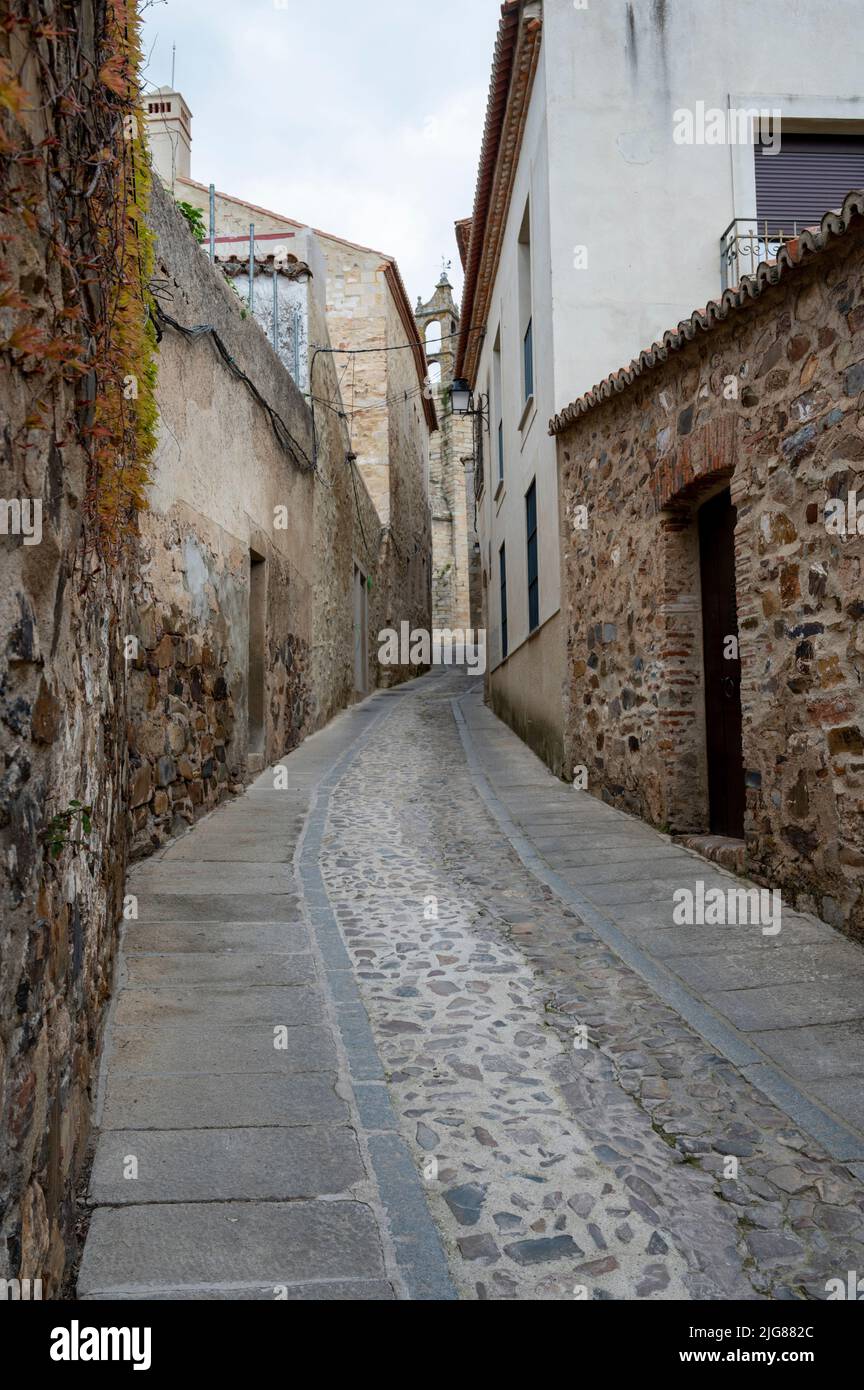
<point>496,107</point>
<point>409,323</point>
<point>290,221</point>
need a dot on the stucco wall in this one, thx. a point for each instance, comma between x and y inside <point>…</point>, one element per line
<point>772,401</point>
<point>351,305</point>
<point>651,212</point>
<point>526,692</point>
<point>529,453</point>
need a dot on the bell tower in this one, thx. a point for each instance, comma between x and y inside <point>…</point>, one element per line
<point>451,468</point>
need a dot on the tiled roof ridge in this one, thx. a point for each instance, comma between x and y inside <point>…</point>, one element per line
<point>283,217</point>
<point>791,255</point>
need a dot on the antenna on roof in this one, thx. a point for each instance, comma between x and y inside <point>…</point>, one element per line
<point>173,57</point>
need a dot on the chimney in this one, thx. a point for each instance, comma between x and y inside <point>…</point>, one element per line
<point>169,134</point>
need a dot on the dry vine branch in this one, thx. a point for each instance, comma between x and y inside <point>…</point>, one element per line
<point>73,169</point>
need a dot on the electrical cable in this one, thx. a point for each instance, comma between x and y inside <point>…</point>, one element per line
<point>280,429</point>
<point>397,347</point>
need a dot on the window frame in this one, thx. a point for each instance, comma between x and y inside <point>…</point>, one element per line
<point>525,291</point>
<point>502,598</point>
<point>532,557</point>
<point>499,404</point>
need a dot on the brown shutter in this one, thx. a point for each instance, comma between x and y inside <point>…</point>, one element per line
<point>810,175</point>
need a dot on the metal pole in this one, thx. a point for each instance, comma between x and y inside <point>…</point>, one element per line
<point>251,264</point>
<point>212,222</point>
<point>275,309</point>
<point>295,333</point>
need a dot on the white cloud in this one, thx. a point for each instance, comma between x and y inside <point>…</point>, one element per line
<point>364,120</point>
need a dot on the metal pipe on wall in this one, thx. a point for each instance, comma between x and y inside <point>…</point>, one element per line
<point>251,264</point>
<point>212,222</point>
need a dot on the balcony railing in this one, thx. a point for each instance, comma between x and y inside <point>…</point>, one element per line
<point>745,244</point>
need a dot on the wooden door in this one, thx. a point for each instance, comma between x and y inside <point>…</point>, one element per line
<point>722,666</point>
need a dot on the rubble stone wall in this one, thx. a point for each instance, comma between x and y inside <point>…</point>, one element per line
<point>408,534</point>
<point>769,403</point>
<point>64,612</point>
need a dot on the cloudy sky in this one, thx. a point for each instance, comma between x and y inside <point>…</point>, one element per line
<point>361,117</point>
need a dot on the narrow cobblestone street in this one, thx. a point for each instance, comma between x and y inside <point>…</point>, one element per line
<point>347,1055</point>
<point>431,674</point>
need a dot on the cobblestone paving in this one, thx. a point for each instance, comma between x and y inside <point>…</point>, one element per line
<point>555,1171</point>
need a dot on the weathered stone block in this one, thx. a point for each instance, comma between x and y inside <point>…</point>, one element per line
<point>141,786</point>
<point>166,771</point>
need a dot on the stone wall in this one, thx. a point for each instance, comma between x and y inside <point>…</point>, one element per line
<point>408,535</point>
<point>770,402</point>
<point>146,681</point>
<point>347,532</point>
<point>64,612</point>
<point>228,495</point>
<point>355,297</point>
<point>74,685</point>
<point>357,317</point>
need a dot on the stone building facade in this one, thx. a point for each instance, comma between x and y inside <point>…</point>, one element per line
<point>583,184</point>
<point>456,599</point>
<point>256,529</point>
<point>755,405</point>
<point>381,371</point>
<point>222,680</point>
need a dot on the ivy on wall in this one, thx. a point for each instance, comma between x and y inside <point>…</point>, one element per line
<point>74,180</point>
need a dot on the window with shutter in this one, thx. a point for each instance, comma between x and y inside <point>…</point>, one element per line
<point>807,177</point>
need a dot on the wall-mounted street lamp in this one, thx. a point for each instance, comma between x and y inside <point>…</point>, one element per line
<point>463,401</point>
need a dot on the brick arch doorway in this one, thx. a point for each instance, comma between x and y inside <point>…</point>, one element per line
<point>722,666</point>
<point>698,612</point>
